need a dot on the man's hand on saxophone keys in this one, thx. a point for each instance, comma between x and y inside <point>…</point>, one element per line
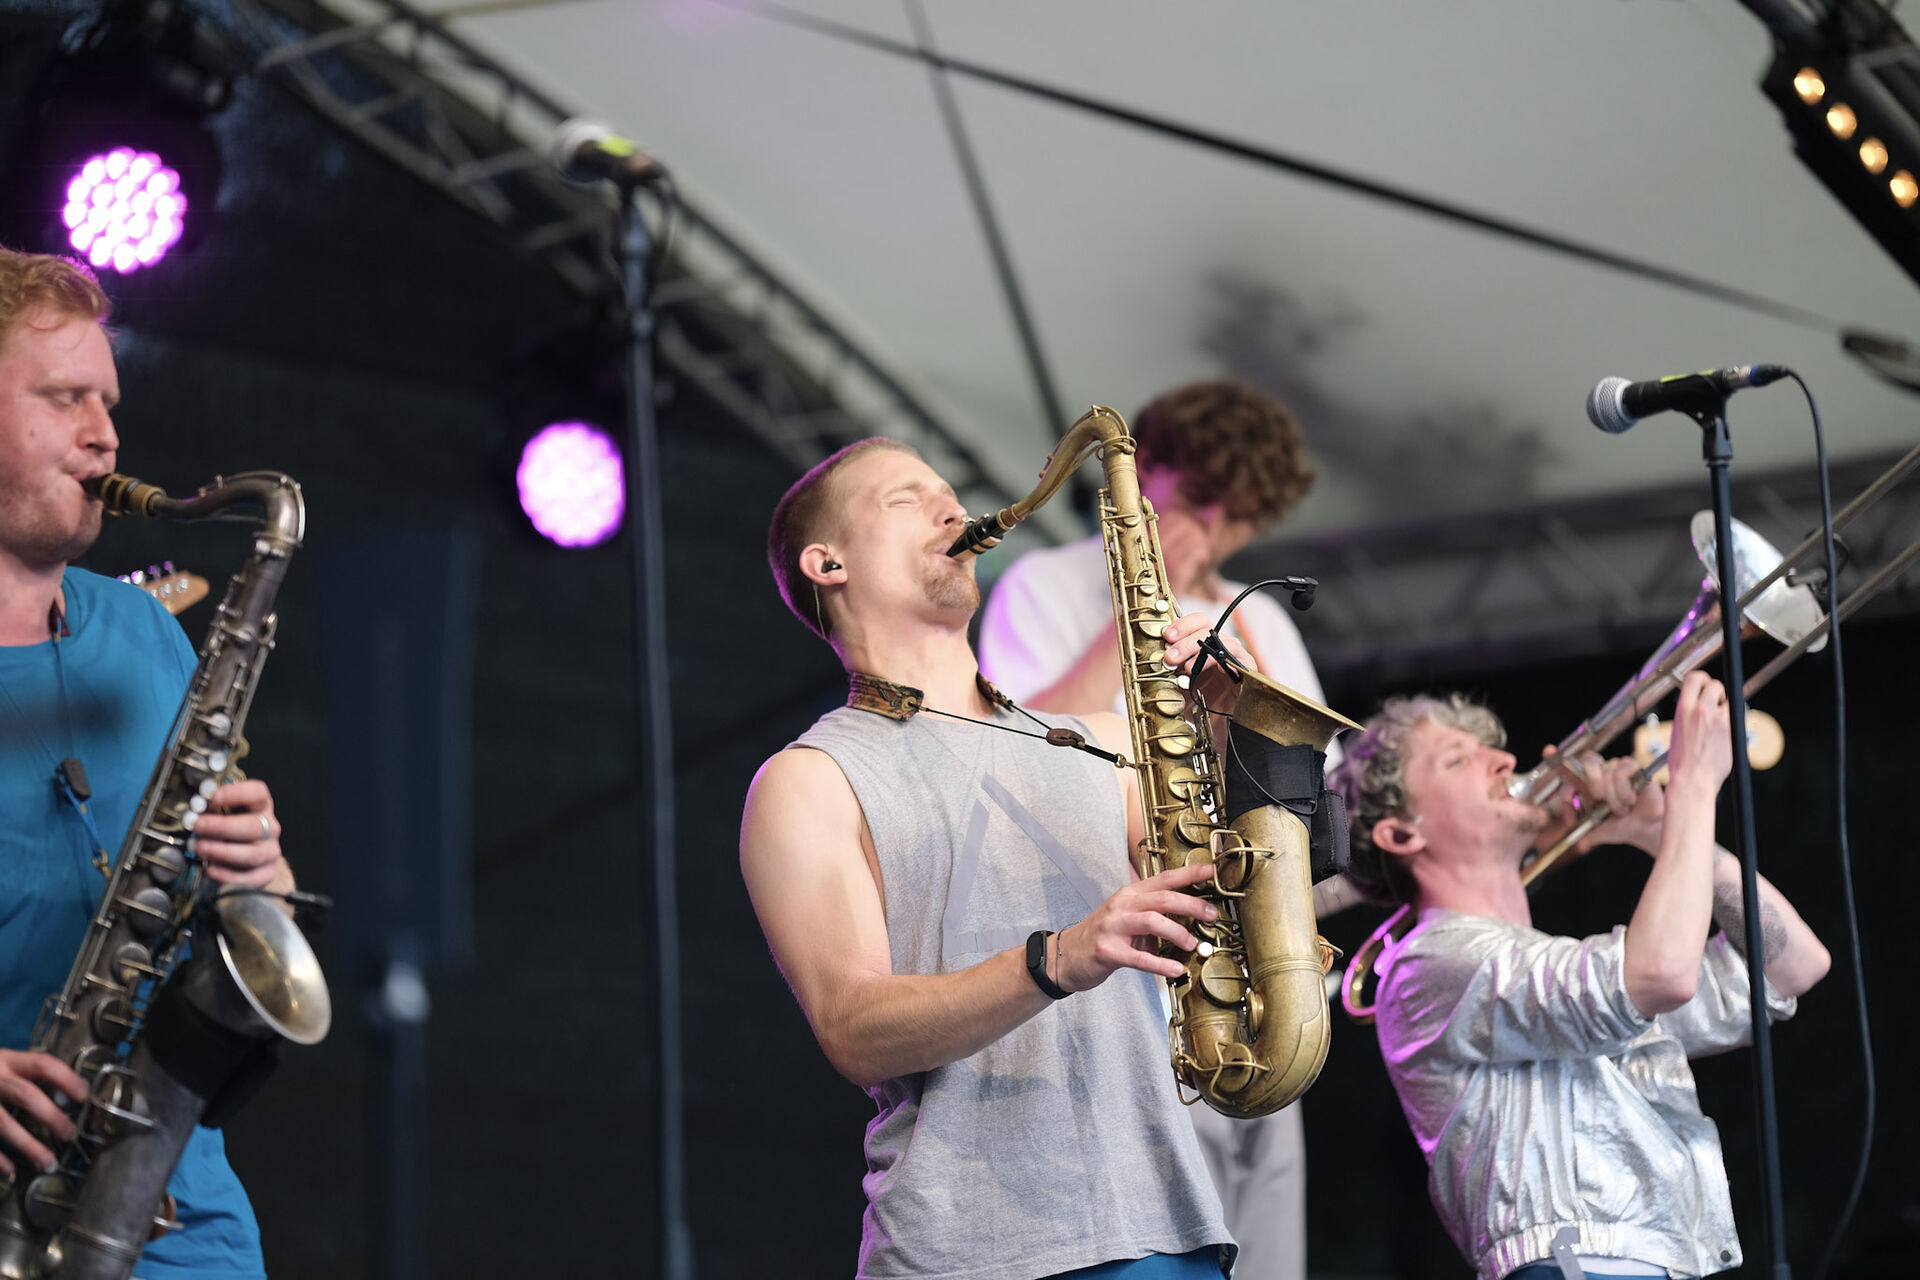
<point>1124,931</point>
<point>1218,689</point>
<point>238,837</point>
<point>29,1086</point>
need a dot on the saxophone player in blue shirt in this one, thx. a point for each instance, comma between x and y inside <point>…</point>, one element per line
<point>91,670</point>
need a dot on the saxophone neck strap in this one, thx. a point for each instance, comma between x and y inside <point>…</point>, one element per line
<point>903,702</point>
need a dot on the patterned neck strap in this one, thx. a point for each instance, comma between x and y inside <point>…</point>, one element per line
<point>903,702</point>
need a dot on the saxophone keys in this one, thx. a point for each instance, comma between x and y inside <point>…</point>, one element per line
<point>1176,739</point>
<point>167,1219</point>
<point>164,864</point>
<point>148,911</point>
<point>112,1019</point>
<point>1163,697</point>
<point>1186,786</point>
<point>1194,829</point>
<point>1221,978</point>
<point>133,962</point>
<point>49,1202</point>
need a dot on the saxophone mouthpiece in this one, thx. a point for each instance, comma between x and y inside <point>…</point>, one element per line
<point>123,495</point>
<point>979,536</point>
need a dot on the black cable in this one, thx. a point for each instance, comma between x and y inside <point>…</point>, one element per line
<point>1213,647</point>
<point>1846,855</point>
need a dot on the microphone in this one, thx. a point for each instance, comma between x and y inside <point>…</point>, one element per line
<point>1616,404</point>
<point>586,150</point>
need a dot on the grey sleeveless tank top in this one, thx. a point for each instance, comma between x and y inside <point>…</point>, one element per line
<point>1063,1144</point>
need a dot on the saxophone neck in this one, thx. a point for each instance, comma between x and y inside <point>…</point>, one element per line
<point>1099,430</point>
<point>282,512</point>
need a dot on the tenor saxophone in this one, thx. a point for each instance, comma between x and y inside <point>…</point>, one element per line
<point>178,987</point>
<point>1249,1028</point>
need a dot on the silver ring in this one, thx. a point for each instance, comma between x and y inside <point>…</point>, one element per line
<point>266,827</point>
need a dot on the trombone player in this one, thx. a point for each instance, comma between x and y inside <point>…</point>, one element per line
<point>1546,1078</point>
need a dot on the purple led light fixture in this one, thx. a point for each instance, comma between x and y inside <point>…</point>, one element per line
<point>572,484</point>
<point>124,209</point>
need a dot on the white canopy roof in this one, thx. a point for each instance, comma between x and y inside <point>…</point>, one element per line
<point>1435,365</point>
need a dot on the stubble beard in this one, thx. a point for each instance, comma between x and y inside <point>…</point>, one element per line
<point>38,536</point>
<point>951,588</point>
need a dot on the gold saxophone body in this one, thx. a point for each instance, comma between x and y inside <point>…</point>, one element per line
<point>1250,1028</point>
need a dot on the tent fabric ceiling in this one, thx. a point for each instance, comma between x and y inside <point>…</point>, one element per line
<point>1436,367</point>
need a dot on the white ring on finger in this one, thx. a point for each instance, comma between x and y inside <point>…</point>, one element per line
<point>266,827</point>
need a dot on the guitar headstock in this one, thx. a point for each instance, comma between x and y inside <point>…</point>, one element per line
<point>1766,742</point>
<point>174,588</point>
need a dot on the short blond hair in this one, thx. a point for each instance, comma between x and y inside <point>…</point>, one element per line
<point>32,282</point>
<point>805,515</point>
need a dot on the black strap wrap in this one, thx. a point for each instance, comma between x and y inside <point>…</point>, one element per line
<point>1261,771</point>
<point>222,1066</point>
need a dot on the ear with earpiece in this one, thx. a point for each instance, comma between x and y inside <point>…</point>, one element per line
<point>1393,835</point>
<point>816,561</point>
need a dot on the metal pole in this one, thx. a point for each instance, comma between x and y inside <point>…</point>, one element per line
<point>1717,447</point>
<point>656,728</point>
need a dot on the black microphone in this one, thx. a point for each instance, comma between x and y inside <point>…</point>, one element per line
<point>1616,404</point>
<point>586,150</point>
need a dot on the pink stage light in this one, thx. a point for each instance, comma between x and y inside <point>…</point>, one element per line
<point>124,209</point>
<point>572,484</point>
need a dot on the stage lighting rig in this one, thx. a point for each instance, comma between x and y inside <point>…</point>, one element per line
<point>1848,87</point>
<point>116,164</point>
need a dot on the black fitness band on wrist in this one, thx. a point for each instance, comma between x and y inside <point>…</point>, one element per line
<point>1037,965</point>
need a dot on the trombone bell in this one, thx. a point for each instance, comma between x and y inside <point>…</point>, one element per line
<point>1785,611</point>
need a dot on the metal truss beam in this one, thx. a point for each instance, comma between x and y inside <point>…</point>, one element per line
<point>1471,592</point>
<point>443,111</point>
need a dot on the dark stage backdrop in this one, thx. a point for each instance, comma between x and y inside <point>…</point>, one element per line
<point>336,322</point>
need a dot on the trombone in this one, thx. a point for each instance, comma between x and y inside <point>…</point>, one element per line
<point>1769,599</point>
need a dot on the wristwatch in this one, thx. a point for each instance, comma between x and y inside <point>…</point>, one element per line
<point>1037,965</point>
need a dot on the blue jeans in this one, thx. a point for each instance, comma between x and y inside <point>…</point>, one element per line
<point>1201,1264</point>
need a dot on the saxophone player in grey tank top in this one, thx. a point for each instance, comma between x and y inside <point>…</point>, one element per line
<point>953,908</point>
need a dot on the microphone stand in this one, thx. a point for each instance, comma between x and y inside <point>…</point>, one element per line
<point>1717,448</point>
<point>631,247</point>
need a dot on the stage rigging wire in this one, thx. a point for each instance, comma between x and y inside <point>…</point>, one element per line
<point>1593,255</point>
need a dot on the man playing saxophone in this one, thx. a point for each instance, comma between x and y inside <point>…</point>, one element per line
<point>91,674</point>
<point>953,908</point>
<point>1221,462</point>
<point>1546,1078</point>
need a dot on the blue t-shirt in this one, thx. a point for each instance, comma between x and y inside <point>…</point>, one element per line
<point>126,664</point>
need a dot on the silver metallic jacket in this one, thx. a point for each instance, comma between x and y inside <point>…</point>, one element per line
<point>1542,1098</point>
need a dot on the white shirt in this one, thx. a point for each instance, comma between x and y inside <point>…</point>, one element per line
<point>1051,604</point>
